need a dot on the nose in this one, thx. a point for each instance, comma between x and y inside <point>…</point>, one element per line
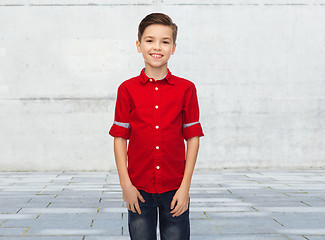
<point>157,46</point>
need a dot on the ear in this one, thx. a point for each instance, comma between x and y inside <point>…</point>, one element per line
<point>174,48</point>
<point>138,44</point>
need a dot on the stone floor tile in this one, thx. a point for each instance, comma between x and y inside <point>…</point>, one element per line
<point>94,204</point>
<point>12,231</point>
<point>233,204</point>
<point>59,210</point>
<point>242,229</point>
<point>109,216</point>
<point>304,231</point>
<point>309,237</point>
<point>107,238</point>
<point>114,210</point>
<point>221,209</point>
<point>9,210</point>
<point>296,237</point>
<point>16,216</point>
<point>111,227</point>
<point>239,237</point>
<point>44,238</point>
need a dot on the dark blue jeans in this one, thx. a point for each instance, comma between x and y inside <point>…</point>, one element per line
<point>144,226</point>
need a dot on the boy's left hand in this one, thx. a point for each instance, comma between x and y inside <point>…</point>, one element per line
<point>181,200</point>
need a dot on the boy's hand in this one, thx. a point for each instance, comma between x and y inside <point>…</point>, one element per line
<point>131,195</point>
<point>181,200</point>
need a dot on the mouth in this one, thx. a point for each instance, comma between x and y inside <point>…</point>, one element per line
<point>156,55</point>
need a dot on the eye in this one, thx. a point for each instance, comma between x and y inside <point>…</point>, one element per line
<point>148,40</point>
<point>166,42</point>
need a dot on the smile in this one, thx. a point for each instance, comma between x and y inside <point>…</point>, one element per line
<point>156,55</point>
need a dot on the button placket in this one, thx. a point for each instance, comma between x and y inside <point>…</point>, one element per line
<point>157,133</point>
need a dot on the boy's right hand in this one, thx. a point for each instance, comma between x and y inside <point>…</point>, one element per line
<point>131,196</point>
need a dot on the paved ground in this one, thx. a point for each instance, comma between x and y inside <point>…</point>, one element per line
<point>225,204</point>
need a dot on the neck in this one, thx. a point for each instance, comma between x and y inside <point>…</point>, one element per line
<point>156,73</point>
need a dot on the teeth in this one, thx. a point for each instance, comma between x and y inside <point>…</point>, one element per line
<point>156,55</point>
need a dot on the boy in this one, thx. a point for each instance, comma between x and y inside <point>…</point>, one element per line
<point>156,111</point>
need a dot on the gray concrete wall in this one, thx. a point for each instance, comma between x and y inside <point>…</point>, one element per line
<point>258,66</point>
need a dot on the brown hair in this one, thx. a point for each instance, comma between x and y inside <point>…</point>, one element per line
<point>157,18</point>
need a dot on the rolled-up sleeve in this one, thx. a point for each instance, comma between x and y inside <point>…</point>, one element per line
<point>191,113</point>
<point>121,125</point>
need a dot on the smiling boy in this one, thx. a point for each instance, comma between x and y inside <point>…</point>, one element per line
<point>156,111</point>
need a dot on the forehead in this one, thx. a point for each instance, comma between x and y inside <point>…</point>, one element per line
<point>159,31</point>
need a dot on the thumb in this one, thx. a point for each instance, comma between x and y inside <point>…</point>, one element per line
<point>172,204</point>
<point>140,197</point>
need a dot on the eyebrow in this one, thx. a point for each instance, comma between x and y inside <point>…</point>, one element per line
<point>154,37</point>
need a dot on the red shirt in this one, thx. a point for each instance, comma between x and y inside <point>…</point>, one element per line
<point>156,116</point>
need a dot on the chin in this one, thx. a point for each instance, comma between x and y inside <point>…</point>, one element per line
<point>159,65</point>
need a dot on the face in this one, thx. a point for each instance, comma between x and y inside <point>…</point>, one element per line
<point>156,45</point>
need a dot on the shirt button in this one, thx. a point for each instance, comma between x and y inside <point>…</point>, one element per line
<point>157,147</point>
<point>156,106</point>
<point>157,127</point>
<point>156,88</point>
<point>150,79</point>
<point>157,167</point>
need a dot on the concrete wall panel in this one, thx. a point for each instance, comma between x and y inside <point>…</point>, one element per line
<point>258,67</point>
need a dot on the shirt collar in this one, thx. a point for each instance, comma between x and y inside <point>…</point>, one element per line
<point>145,78</point>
